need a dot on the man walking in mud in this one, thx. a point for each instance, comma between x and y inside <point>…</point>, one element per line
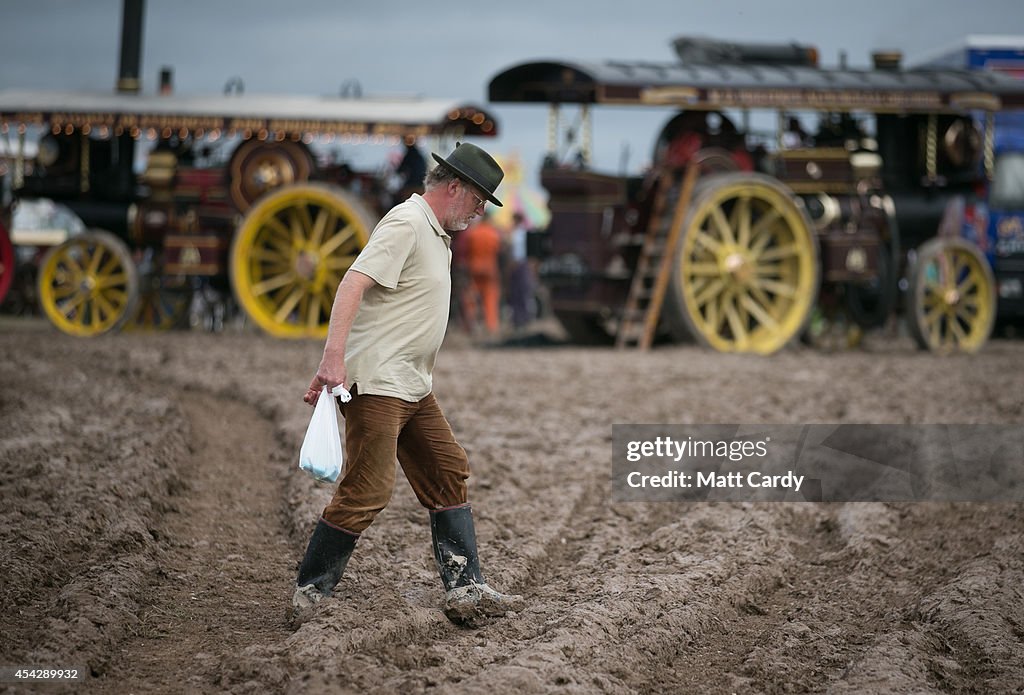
<point>386,327</point>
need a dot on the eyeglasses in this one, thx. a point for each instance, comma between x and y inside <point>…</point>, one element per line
<point>481,204</point>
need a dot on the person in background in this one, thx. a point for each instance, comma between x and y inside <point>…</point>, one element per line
<point>408,173</point>
<point>386,327</point>
<point>520,274</point>
<point>412,168</point>
<point>795,136</point>
<point>482,246</point>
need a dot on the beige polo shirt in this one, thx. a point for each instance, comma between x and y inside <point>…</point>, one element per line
<point>402,318</point>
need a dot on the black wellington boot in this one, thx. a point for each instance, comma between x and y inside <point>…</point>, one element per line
<point>326,556</point>
<point>468,598</point>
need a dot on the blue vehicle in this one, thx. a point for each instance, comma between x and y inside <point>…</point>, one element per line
<point>995,222</point>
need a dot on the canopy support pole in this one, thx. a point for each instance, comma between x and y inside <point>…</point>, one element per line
<point>554,124</point>
<point>586,136</point>
<point>990,142</point>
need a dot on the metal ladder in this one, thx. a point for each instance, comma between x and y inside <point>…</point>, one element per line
<point>654,267</point>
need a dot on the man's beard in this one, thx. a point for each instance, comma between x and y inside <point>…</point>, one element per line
<point>458,224</point>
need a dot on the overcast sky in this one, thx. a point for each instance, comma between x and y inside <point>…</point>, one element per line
<point>453,49</point>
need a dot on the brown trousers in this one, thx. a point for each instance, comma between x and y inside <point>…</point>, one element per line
<point>379,429</point>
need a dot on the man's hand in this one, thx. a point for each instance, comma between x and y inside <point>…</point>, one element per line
<point>330,374</point>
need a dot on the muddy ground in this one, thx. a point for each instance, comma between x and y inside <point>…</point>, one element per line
<point>152,517</point>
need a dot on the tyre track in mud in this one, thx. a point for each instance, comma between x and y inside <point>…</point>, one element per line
<point>765,625</point>
<point>224,560</point>
<point>870,604</point>
<point>945,613</point>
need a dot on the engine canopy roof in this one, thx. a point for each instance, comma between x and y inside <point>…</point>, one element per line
<point>273,113</point>
<point>783,87</point>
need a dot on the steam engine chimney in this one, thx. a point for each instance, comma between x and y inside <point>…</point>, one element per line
<point>166,80</point>
<point>128,82</point>
<point>131,47</point>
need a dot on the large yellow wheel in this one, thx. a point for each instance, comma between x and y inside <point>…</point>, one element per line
<point>89,284</point>
<point>952,301</point>
<point>746,274</point>
<point>290,253</point>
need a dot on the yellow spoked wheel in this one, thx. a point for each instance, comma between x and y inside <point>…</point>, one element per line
<point>746,274</point>
<point>290,253</point>
<point>952,300</point>
<point>89,284</point>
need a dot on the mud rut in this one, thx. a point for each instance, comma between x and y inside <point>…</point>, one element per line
<point>224,554</point>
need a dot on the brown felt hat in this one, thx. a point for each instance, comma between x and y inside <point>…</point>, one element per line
<point>473,165</point>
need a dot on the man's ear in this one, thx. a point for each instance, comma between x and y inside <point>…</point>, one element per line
<point>453,187</point>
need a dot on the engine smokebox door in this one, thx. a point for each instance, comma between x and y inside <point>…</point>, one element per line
<point>850,256</point>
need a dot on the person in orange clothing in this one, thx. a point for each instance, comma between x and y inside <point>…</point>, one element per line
<point>482,246</point>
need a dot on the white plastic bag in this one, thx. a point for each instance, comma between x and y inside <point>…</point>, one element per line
<point>322,455</point>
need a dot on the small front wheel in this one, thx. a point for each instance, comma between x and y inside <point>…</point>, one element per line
<point>952,301</point>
